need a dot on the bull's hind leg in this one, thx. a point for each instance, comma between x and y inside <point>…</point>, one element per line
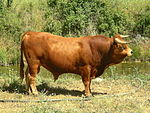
<point>30,79</point>
<point>27,80</point>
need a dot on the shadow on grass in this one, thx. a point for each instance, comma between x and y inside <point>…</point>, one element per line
<point>16,87</point>
<point>44,88</point>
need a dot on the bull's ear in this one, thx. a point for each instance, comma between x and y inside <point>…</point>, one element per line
<point>118,41</point>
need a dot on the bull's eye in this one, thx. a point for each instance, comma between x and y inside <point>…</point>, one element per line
<point>122,48</point>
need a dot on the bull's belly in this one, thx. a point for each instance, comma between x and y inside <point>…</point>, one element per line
<point>59,68</point>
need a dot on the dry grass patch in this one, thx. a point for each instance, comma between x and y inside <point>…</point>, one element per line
<point>137,102</point>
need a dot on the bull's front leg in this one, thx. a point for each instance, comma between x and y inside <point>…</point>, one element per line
<point>87,83</point>
<point>86,71</point>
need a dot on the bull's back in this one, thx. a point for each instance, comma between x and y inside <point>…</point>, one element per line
<point>52,51</point>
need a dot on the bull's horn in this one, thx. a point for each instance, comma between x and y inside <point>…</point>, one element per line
<point>124,36</point>
<point>120,41</point>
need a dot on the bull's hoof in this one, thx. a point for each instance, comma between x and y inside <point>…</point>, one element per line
<point>32,93</point>
<point>35,93</point>
<point>88,95</point>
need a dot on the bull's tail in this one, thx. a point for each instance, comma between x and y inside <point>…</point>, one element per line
<point>22,73</point>
<point>21,65</point>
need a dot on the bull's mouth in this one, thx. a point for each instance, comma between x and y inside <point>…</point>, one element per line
<point>129,55</point>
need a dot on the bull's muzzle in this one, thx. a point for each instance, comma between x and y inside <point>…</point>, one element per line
<point>130,52</point>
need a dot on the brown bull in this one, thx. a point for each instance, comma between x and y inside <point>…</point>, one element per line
<point>87,56</point>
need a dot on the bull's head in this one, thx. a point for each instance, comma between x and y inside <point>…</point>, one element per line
<point>120,48</point>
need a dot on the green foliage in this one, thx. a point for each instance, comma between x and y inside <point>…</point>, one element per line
<point>10,27</point>
<point>3,57</point>
<point>10,24</point>
<point>143,24</point>
<point>70,18</point>
<point>112,21</point>
<point>85,17</point>
<point>9,52</point>
<point>1,6</point>
<point>137,51</point>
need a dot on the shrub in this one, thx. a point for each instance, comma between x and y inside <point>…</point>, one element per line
<point>75,17</point>
<point>143,23</point>
<point>3,57</point>
<point>9,52</point>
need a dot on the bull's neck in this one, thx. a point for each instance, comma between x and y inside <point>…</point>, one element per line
<point>106,60</point>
